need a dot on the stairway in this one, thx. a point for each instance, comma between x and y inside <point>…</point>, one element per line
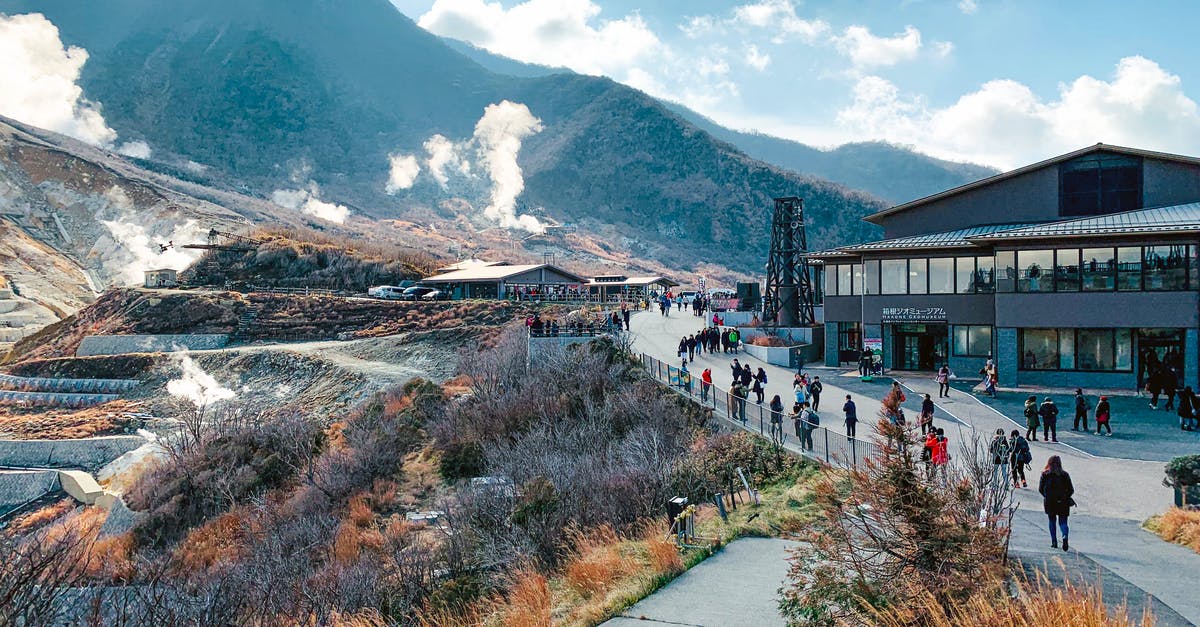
<point>246,322</point>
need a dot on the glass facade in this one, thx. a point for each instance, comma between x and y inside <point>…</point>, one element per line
<point>1173,267</point>
<point>972,340</point>
<point>1034,271</point>
<point>1165,268</point>
<point>1066,270</point>
<point>1092,350</point>
<point>871,276</point>
<point>918,279</point>
<point>894,275</point>
<point>1006,271</point>
<point>941,275</point>
<point>1099,269</point>
<point>1099,184</point>
<point>844,274</point>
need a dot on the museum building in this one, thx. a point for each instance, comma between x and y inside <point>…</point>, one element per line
<point>1080,270</point>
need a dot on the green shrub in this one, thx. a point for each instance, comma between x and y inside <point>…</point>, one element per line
<point>1183,471</point>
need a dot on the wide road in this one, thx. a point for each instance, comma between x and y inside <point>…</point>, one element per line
<point>1115,495</point>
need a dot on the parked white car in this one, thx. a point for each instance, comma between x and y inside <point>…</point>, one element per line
<point>387,292</point>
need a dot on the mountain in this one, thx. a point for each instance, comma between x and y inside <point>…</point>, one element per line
<point>273,94</point>
<point>894,173</point>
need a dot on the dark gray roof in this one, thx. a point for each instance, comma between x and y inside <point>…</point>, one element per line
<point>948,239</point>
<point>1174,219</point>
<point>1123,150</point>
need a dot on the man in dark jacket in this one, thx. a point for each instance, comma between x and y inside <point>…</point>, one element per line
<point>851,416</point>
<point>1019,457</point>
<point>1049,413</point>
<point>1081,410</point>
<point>814,390</point>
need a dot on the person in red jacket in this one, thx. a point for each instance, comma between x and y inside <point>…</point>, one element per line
<point>705,383</point>
<point>941,453</point>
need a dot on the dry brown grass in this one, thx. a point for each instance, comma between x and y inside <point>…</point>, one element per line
<point>111,558</point>
<point>662,552</point>
<point>1039,605</point>
<point>54,424</point>
<point>39,518</point>
<point>213,546</point>
<point>596,561</point>
<point>1178,525</point>
<point>767,340</point>
<point>528,603</point>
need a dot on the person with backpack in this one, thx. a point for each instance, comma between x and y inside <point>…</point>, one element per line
<point>1056,490</point>
<point>1186,411</point>
<point>1032,420</point>
<point>1020,458</point>
<point>926,419</point>
<point>740,393</point>
<point>1049,413</point>
<point>999,448</point>
<point>1081,410</point>
<point>1103,415</point>
<point>808,423</point>
<point>814,390</point>
<point>851,413</point>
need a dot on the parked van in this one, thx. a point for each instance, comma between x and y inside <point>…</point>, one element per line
<point>386,292</point>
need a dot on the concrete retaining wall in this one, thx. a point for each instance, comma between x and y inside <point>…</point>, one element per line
<point>51,399</point>
<point>20,487</point>
<point>93,345</point>
<point>88,454</point>
<point>69,386</point>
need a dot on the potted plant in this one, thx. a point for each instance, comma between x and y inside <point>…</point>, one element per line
<point>1183,474</point>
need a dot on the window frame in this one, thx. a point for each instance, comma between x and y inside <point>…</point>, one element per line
<point>954,348</point>
<point>1070,336</point>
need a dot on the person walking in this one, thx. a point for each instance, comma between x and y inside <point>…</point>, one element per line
<point>741,393</point>
<point>1081,410</point>
<point>1001,453</point>
<point>800,389</point>
<point>747,376</point>
<point>851,413</point>
<point>1049,413</point>
<point>625,313</point>
<point>734,339</point>
<point>941,453</point>
<point>806,427</point>
<point>864,363</point>
<point>705,383</point>
<point>1186,411</point>
<point>797,409</point>
<point>1103,416</point>
<point>927,450</point>
<point>737,371</point>
<point>777,419</point>
<point>1032,422</point>
<point>926,419</point>
<point>1020,456</point>
<point>814,422</point>
<point>691,348</point>
<point>814,390</point>
<point>683,348</point>
<point>760,381</point>
<point>993,379</point>
<point>943,381</point>
<point>1056,490</point>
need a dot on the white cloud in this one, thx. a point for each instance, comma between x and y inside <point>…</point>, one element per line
<point>757,59</point>
<point>550,32</point>
<point>698,26</point>
<point>402,172</point>
<point>779,16</point>
<point>499,134</point>
<point>867,50</point>
<point>968,6</point>
<point>1004,123</point>
<point>445,158</point>
<point>943,48</point>
<point>38,81</point>
<point>137,149</point>
<point>307,200</point>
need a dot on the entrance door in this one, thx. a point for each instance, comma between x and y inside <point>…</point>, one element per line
<point>919,346</point>
<point>1158,348</point>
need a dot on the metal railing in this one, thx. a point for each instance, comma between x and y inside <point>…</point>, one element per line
<point>821,444</point>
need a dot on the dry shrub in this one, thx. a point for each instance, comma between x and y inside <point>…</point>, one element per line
<point>596,562</point>
<point>369,617</point>
<point>1180,526</point>
<point>768,340</point>
<point>38,518</point>
<point>528,603</point>
<point>359,510</point>
<point>660,548</point>
<point>214,546</point>
<point>1037,606</point>
<point>111,558</point>
<point>346,543</point>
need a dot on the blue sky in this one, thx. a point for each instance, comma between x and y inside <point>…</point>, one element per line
<point>1002,83</point>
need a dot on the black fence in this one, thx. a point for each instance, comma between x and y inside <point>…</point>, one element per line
<point>830,447</point>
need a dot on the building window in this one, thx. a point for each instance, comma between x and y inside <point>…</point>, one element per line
<point>1165,268</point>
<point>1099,269</point>
<point>964,270</point>
<point>849,336</point>
<point>1100,184</point>
<point>941,275</point>
<point>1129,268</point>
<point>1066,270</point>
<point>894,273</point>
<point>1094,350</point>
<point>985,275</point>
<point>831,280</point>
<point>972,341</point>
<point>1006,271</point>
<point>917,279</point>
<point>843,280</point>
<point>1034,270</point>
<point>871,272</point>
<point>857,271</point>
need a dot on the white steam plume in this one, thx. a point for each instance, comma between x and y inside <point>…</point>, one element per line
<point>196,385</point>
<point>404,171</point>
<point>38,81</point>
<point>137,149</point>
<point>499,134</point>
<point>444,154</point>
<point>307,200</point>
<point>138,244</point>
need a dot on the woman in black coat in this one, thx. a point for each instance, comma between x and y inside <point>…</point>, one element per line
<point>1056,490</point>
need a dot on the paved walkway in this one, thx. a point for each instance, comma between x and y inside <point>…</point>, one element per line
<point>1115,495</point>
<point>737,586</point>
